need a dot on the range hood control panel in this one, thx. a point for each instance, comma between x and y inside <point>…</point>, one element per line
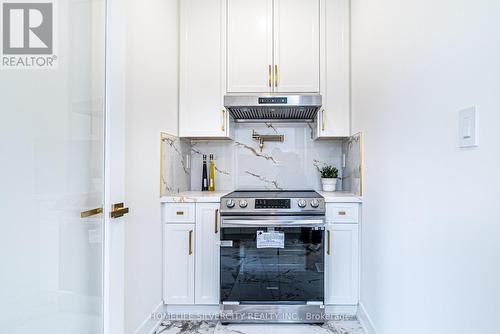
<point>273,100</point>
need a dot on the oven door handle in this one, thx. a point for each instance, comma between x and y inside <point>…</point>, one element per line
<point>273,223</point>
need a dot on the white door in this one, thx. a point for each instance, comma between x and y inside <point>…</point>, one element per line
<point>114,255</point>
<point>334,118</point>
<point>56,154</point>
<point>207,253</point>
<point>296,46</point>
<point>202,69</point>
<point>179,248</point>
<point>249,46</point>
<point>342,265</point>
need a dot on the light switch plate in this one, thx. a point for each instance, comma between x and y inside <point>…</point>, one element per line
<point>467,130</point>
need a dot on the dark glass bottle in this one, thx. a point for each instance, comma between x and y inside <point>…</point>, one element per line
<point>204,178</point>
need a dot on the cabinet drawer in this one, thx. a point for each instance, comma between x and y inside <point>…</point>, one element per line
<point>342,212</point>
<point>179,213</point>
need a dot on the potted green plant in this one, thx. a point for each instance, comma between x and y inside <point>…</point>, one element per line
<point>329,176</point>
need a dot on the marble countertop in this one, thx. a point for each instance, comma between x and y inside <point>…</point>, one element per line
<point>214,197</point>
<point>194,196</point>
<point>340,197</point>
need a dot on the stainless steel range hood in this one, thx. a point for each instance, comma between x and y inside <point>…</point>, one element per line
<point>265,108</point>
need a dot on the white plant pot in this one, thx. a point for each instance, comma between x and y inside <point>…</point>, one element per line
<point>329,184</point>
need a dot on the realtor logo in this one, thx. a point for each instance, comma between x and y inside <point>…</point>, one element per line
<point>27,34</point>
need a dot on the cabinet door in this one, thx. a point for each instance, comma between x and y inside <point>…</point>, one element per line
<point>179,248</point>
<point>334,118</point>
<point>202,69</point>
<point>342,265</point>
<point>207,253</point>
<point>296,46</point>
<point>249,46</point>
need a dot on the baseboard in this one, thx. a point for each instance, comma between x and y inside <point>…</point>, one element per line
<point>350,310</point>
<point>149,324</point>
<point>366,321</point>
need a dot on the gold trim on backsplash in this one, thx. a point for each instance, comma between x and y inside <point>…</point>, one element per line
<point>162,139</point>
<point>361,163</point>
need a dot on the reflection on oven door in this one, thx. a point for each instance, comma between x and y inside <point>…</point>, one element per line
<point>290,274</point>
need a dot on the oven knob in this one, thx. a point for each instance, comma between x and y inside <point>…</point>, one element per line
<point>302,203</point>
<point>243,204</point>
<point>314,203</point>
<point>230,203</point>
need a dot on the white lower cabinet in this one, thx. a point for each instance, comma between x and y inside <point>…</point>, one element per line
<point>192,257</point>
<point>178,255</point>
<point>342,265</point>
<point>207,254</point>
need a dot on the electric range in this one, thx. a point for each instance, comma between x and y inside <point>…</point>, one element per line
<point>272,256</point>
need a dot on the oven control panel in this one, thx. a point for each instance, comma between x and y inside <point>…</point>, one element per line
<point>272,203</point>
<point>262,206</point>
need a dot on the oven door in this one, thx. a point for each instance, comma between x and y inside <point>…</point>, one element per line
<point>277,260</point>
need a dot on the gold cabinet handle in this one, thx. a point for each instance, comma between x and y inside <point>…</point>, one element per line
<point>342,213</point>
<point>190,242</point>
<point>216,222</point>
<point>92,212</point>
<point>118,210</point>
<point>223,120</point>
<point>275,75</point>
<point>180,213</point>
<point>328,242</point>
<point>269,75</point>
<point>322,119</point>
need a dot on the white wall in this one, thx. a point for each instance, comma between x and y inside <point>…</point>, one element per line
<point>431,235</point>
<point>152,49</point>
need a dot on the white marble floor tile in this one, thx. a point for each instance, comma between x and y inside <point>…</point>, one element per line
<point>186,327</point>
<point>205,327</point>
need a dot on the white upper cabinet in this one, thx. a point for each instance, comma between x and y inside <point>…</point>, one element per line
<point>296,46</point>
<point>334,117</point>
<point>250,45</point>
<point>273,46</point>
<point>202,69</point>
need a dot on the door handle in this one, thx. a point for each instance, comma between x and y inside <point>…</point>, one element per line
<point>322,119</point>
<point>328,242</point>
<point>275,75</point>
<point>118,210</point>
<point>223,120</point>
<point>216,221</point>
<point>190,251</point>
<point>89,213</point>
<point>269,75</point>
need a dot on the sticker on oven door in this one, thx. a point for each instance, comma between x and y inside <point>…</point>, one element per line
<point>270,239</point>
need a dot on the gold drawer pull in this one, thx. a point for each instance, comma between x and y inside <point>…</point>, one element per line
<point>118,210</point>
<point>342,213</point>
<point>190,242</point>
<point>85,214</point>
<point>216,221</point>
<point>180,213</point>
<point>328,244</point>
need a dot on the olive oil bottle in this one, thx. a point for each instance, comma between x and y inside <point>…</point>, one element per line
<point>211,174</point>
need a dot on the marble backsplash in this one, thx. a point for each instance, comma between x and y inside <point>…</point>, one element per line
<point>352,178</point>
<point>292,164</point>
<point>175,174</point>
<point>240,164</point>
